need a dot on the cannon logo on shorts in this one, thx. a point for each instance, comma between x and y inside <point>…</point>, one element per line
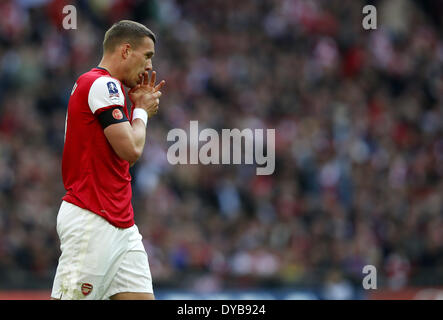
<point>86,288</point>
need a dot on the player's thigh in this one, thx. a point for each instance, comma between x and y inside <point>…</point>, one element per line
<point>133,277</point>
<point>133,296</point>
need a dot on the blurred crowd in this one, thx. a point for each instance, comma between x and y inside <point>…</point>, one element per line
<point>359,140</point>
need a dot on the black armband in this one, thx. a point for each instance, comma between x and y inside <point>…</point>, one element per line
<point>111,116</point>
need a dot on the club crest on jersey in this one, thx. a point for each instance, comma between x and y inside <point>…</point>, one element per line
<point>86,288</point>
<point>113,90</point>
<point>117,114</point>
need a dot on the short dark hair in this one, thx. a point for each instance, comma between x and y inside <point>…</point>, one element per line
<point>126,31</point>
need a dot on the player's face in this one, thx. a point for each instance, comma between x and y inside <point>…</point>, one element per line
<point>139,61</point>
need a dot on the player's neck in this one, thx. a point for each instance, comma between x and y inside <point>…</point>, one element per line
<point>109,66</point>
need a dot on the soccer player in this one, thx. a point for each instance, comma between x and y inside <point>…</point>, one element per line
<point>102,255</point>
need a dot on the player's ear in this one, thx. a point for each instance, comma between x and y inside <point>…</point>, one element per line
<point>125,50</point>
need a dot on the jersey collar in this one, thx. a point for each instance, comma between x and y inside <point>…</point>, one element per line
<point>100,68</point>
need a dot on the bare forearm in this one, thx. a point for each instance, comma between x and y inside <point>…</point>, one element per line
<point>139,134</point>
<point>139,138</point>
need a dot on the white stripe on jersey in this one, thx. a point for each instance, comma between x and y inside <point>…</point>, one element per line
<point>104,92</point>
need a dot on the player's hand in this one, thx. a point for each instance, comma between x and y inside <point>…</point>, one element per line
<point>147,94</point>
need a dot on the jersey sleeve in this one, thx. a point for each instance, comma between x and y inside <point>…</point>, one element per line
<point>105,92</point>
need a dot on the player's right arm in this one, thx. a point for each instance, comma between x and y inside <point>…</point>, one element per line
<point>128,140</point>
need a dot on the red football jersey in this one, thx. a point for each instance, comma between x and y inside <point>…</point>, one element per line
<point>94,176</point>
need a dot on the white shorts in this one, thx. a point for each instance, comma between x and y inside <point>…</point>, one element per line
<point>98,260</point>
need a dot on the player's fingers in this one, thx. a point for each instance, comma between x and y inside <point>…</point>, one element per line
<point>145,78</point>
<point>157,94</point>
<point>160,85</point>
<point>153,77</point>
<point>134,88</point>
